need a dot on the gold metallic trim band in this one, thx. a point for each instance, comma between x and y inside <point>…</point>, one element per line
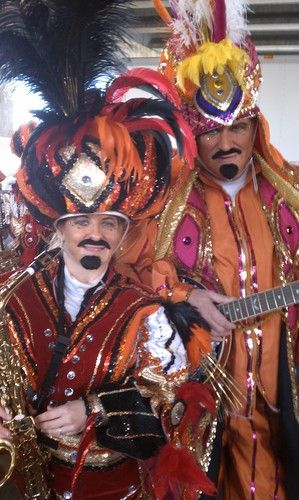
<point>170,216</point>
<point>96,457</point>
<point>286,190</point>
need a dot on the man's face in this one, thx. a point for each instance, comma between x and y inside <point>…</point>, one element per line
<point>225,151</point>
<point>91,240</point>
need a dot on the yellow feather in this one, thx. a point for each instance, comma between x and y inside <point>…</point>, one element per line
<point>213,57</point>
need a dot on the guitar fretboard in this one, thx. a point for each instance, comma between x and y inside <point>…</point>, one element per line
<point>260,303</point>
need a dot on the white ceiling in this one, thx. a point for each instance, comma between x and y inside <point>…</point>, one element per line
<point>274,26</point>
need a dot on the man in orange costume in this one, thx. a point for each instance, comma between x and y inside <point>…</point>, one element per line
<point>232,226</point>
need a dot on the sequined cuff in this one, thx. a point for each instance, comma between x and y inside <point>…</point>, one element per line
<point>94,405</point>
<point>180,292</point>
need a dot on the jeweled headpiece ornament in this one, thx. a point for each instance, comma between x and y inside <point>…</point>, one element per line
<point>91,151</point>
<point>212,61</point>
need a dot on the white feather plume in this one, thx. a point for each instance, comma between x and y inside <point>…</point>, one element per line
<point>188,18</point>
<point>236,20</point>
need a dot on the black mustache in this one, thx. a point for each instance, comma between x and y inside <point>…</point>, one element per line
<point>99,243</point>
<point>222,154</point>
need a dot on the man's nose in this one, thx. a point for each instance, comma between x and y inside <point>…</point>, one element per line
<point>96,231</point>
<point>225,141</point>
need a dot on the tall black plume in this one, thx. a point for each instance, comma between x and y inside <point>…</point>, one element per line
<point>60,48</point>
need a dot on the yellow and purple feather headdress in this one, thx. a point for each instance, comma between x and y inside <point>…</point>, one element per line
<point>212,61</point>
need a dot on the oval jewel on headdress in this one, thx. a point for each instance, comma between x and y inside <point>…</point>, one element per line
<point>86,179</point>
<point>209,86</point>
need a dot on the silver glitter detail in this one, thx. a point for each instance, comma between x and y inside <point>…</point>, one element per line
<point>177,413</point>
<point>73,455</point>
<point>89,337</point>
<point>51,345</point>
<point>47,332</point>
<point>75,359</point>
<point>71,375</point>
<point>67,495</point>
<point>69,391</point>
<point>82,348</point>
<point>67,152</point>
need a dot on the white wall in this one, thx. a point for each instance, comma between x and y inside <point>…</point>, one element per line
<point>279,101</point>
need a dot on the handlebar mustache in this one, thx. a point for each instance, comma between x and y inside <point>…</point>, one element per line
<point>99,243</point>
<point>223,154</point>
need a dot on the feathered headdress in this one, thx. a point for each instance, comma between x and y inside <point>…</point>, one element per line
<point>212,60</point>
<point>90,152</point>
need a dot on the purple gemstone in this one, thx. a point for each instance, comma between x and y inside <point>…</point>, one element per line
<point>187,240</point>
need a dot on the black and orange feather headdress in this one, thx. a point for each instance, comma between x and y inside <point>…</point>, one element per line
<point>92,151</point>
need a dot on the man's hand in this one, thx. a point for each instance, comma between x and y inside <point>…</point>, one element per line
<point>4,415</point>
<point>68,419</point>
<point>204,301</point>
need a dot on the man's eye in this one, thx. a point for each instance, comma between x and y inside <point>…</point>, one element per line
<point>213,132</point>
<point>81,222</point>
<point>239,128</point>
<point>108,224</point>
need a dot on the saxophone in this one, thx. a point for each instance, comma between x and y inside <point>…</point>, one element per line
<point>24,452</point>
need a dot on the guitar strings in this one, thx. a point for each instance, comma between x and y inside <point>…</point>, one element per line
<point>224,385</point>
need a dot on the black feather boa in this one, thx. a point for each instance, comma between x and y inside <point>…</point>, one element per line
<point>183,315</point>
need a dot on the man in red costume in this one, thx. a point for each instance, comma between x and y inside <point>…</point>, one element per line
<point>232,227</point>
<point>106,367</point>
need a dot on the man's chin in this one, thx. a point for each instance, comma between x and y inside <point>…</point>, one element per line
<point>91,262</point>
<point>229,171</point>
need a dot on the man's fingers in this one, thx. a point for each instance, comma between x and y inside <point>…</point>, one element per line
<point>51,425</point>
<point>4,433</point>
<point>50,414</point>
<point>216,337</point>
<point>205,301</point>
<point>219,297</point>
<point>5,414</point>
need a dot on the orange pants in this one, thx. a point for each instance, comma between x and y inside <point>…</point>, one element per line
<point>251,469</point>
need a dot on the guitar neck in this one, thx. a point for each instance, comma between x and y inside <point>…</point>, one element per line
<point>260,303</point>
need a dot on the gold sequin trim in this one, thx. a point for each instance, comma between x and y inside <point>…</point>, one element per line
<point>170,217</point>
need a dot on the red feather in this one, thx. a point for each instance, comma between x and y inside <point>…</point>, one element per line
<point>189,143</point>
<point>142,76</point>
<point>198,400</point>
<point>176,468</point>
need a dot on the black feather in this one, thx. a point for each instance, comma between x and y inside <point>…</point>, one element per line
<point>183,315</point>
<point>60,48</point>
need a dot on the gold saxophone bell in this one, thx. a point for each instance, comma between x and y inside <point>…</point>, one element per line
<point>8,459</point>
